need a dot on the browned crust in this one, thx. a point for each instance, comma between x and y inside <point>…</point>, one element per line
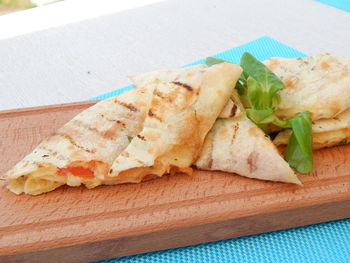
<point>184,85</point>
<point>235,129</point>
<point>71,140</point>
<point>126,105</point>
<point>141,137</point>
<point>152,115</point>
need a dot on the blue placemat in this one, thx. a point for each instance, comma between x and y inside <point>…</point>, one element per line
<point>327,242</point>
<point>321,243</point>
<point>341,4</point>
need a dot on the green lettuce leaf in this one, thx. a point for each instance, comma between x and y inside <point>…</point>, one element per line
<point>258,88</point>
<point>299,149</point>
<point>268,83</point>
<point>212,61</point>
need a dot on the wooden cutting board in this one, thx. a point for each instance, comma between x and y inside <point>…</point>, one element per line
<point>79,225</point>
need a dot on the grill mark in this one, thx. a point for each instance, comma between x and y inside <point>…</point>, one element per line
<point>118,121</point>
<point>112,120</point>
<point>106,134</point>
<point>163,96</point>
<point>86,126</point>
<point>126,105</point>
<point>71,140</point>
<point>233,110</point>
<point>159,94</point>
<point>251,161</point>
<point>141,137</point>
<point>140,162</point>
<point>235,129</point>
<point>152,115</point>
<point>184,85</point>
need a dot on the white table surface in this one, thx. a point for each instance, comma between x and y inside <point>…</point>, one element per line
<point>83,54</point>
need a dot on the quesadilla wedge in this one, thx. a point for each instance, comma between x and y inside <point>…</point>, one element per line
<point>82,151</point>
<point>185,106</point>
<point>237,145</point>
<point>319,84</point>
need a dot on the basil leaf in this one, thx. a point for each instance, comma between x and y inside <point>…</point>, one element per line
<point>212,61</point>
<point>299,149</point>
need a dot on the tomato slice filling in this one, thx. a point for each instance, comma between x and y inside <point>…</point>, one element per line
<point>76,171</point>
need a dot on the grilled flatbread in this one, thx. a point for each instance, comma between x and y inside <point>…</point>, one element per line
<point>183,110</point>
<point>325,132</point>
<point>319,84</point>
<point>179,106</point>
<point>82,151</point>
<point>237,145</point>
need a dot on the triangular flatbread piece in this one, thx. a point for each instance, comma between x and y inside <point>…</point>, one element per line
<point>319,84</point>
<point>183,110</point>
<point>237,145</point>
<point>82,151</point>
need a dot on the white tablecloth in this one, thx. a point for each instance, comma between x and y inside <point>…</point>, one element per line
<point>94,52</point>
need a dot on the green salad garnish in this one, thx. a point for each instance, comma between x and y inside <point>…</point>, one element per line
<point>258,87</point>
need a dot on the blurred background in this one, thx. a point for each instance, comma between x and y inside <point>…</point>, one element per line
<point>48,46</point>
<point>10,6</point>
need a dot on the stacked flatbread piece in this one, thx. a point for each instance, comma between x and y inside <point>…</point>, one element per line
<point>321,85</point>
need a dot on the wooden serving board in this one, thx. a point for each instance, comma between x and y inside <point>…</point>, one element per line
<point>80,225</point>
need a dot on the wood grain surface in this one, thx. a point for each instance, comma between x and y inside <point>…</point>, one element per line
<point>79,225</point>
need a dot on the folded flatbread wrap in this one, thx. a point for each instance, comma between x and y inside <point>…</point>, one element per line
<point>185,106</point>
<point>166,118</point>
<point>237,145</point>
<point>82,151</point>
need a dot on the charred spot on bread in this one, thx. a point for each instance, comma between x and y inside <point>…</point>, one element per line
<point>126,105</point>
<point>184,85</point>
<point>152,115</point>
<point>233,110</point>
<point>141,137</point>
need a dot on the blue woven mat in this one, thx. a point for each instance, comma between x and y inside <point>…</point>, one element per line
<point>326,242</point>
<point>341,4</point>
